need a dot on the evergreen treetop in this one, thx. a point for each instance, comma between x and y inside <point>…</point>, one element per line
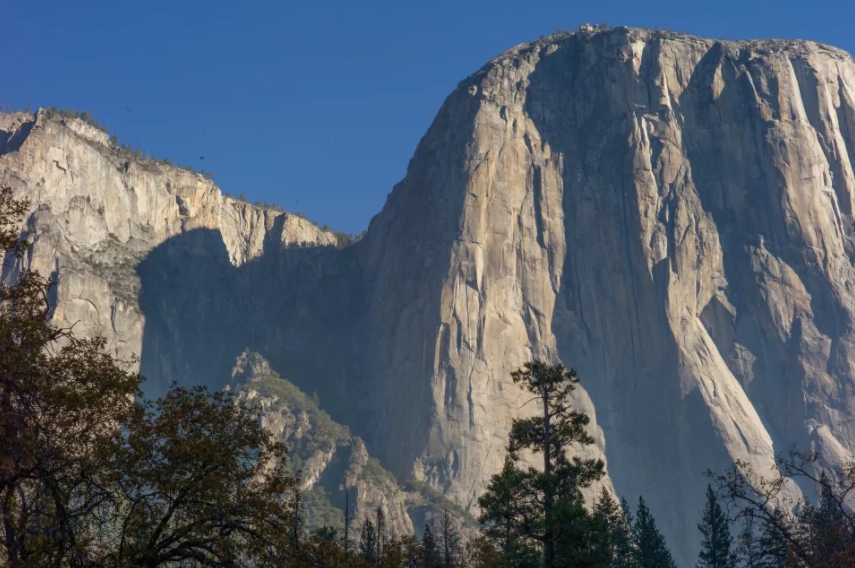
<point>716,546</point>
<point>650,551</point>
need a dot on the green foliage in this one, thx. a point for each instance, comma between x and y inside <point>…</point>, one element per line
<point>437,502</point>
<point>87,118</point>
<point>827,524</point>
<point>578,536</point>
<point>650,551</point>
<point>320,512</point>
<point>346,239</point>
<point>520,509</point>
<point>431,556</point>
<point>448,539</point>
<point>193,483</point>
<point>376,473</point>
<point>716,546</point>
<point>792,533</point>
<point>616,540</point>
<point>272,385</point>
<point>272,206</point>
<point>120,274</point>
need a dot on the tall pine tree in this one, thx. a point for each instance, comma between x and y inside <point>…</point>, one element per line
<point>716,546</point>
<point>520,505</point>
<point>650,551</point>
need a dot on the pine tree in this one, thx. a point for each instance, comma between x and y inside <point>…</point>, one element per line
<point>716,546</point>
<point>616,540</point>
<point>347,519</point>
<point>526,501</point>
<point>449,540</point>
<point>768,549</point>
<point>297,521</point>
<point>505,508</point>
<point>381,533</point>
<point>651,550</point>
<point>625,545</point>
<point>430,551</point>
<point>579,535</point>
<point>368,543</point>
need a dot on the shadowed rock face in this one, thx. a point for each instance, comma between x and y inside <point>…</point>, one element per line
<point>672,216</point>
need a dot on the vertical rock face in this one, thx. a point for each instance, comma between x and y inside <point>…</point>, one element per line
<point>670,215</point>
<point>125,238</point>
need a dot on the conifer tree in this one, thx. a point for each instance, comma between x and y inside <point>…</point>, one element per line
<point>616,540</point>
<point>449,540</point>
<point>347,519</point>
<point>430,550</point>
<point>381,532</point>
<point>526,501</point>
<point>579,535</point>
<point>506,508</point>
<point>828,528</point>
<point>625,547</point>
<point>651,550</point>
<point>368,543</point>
<point>716,546</point>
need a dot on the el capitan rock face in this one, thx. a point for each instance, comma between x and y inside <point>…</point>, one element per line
<point>670,215</point>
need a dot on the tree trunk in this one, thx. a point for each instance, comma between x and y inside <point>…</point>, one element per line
<point>548,544</point>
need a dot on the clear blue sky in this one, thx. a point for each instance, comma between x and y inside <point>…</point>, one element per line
<point>317,105</point>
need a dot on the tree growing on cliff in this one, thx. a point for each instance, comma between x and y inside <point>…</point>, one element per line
<point>520,509</point>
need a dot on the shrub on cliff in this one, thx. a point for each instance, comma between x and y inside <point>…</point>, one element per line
<point>85,116</point>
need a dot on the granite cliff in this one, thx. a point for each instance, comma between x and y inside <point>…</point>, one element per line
<point>670,215</point>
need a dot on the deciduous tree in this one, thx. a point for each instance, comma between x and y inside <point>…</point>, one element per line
<point>61,399</point>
